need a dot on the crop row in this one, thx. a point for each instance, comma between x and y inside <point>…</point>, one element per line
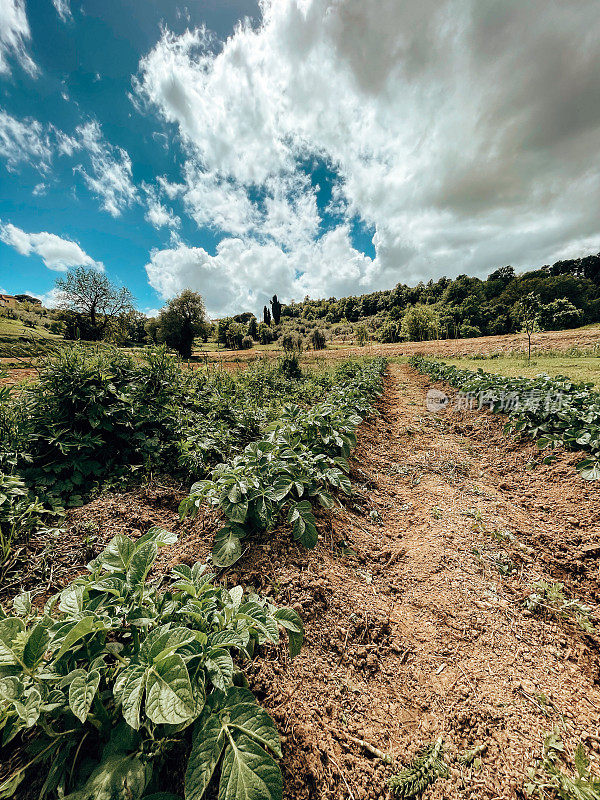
<point>301,458</point>
<point>553,411</point>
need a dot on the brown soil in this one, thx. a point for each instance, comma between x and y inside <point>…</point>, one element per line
<point>420,633</point>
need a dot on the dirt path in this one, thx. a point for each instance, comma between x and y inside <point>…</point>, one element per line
<point>422,634</point>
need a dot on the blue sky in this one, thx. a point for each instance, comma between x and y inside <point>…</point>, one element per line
<point>302,147</point>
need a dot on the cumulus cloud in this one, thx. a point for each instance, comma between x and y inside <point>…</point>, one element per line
<point>464,132</point>
<point>245,273</point>
<point>157,214</point>
<point>110,176</point>
<point>14,36</point>
<point>57,253</point>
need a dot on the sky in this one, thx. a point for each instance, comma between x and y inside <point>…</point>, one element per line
<point>297,147</point>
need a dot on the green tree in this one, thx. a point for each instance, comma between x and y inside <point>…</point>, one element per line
<point>90,295</point>
<point>181,321</point>
<point>420,323</point>
<point>560,314</point>
<point>276,309</point>
<point>362,335</point>
<point>253,328</point>
<point>317,339</point>
<point>528,310</point>
<point>266,316</point>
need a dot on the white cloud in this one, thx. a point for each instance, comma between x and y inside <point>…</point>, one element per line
<point>157,214</point>
<point>24,141</point>
<point>465,132</point>
<point>57,254</point>
<point>111,176</point>
<point>14,36</point>
<point>244,274</point>
<point>63,9</point>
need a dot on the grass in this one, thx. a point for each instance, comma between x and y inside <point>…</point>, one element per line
<point>578,365</point>
<point>15,328</point>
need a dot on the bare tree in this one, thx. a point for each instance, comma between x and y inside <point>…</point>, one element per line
<point>90,294</point>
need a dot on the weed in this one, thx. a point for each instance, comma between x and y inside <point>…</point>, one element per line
<point>547,779</point>
<point>550,597</point>
<point>413,780</point>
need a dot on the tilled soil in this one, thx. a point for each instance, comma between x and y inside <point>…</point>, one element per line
<point>413,602</point>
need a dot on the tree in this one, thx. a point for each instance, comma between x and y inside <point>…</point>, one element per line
<point>181,320</point>
<point>420,323</point>
<point>362,335</point>
<point>253,328</point>
<point>276,309</point>
<point>317,339</point>
<point>559,314</point>
<point>528,311</point>
<point>89,294</point>
<point>266,316</point>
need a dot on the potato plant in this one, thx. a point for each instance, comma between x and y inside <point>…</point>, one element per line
<point>552,411</point>
<point>119,672</point>
<point>300,460</point>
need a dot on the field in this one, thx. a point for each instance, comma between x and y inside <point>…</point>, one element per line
<point>446,578</point>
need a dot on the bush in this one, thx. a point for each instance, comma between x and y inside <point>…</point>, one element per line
<point>247,343</point>
<point>107,682</point>
<point>420,323</point>
<point>317,339</point>
<point>469,331</point>
<point>390,332</point>
<point>291,342</point>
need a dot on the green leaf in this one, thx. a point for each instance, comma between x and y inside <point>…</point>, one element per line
<point>253,721</point>
<point>208,741</point>
<point>219,666</point>
<point>118,777</point>
<point>289,620</point>
<point>249,773</point>
<point>71,599</point>
<point>303,523</point>
<point>118,553</point>
<point>36,645</point>
<point>9,786</point>
<point>160,536</point>
<point>234,511</point>
<point>227,547</point>
<point>141,563</point>
<point>163,641</point>
<point>79,631</point>
<point>10,628</point>
<point>22,604</point>
<point>132,683</point>
<point>169,697</point>
<point>82,691</point>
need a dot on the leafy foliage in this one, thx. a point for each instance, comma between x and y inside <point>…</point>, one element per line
<point>551,410</point>
<point>298,462</point>
<point>550,597</point>
<point>547,778</point>
<point>100,414</point>
<point>20,513</point>
<point>427,767</point>
<point>114,674</point>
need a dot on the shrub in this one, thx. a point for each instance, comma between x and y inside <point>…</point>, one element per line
<point>291,342</point>
<point>105,683</point>
<point>317,339</point>
<point>247,343</point>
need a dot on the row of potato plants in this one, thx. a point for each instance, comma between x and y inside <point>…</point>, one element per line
<point>121,679</point>
<point>302,457</point>
<point>553,411</point>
